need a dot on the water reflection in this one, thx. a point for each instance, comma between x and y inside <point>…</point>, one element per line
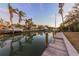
<point>3,38</point>
<point>11,48</point>
<point>1,44</point>
<point>31,43</point>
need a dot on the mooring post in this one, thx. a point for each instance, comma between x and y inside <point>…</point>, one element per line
<point>46,39</point>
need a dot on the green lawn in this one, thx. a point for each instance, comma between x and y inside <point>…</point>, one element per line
<point>73,37</point>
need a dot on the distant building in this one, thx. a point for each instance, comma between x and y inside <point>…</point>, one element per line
<point>2,25</point>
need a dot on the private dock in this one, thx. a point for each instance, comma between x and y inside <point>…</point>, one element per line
<point>60,46</point>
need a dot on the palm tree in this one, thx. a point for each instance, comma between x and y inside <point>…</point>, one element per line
<point>76,12</point>
<point>74,16</point>
<point>69,19</point>
<point>11,11</point>
<point>72,19</point>
<point>21,14</point>
<point>28,23</point>
<point>61,11</point>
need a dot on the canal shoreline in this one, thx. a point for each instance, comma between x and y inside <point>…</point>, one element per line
<point>18,31</point>
<point>61,46</point>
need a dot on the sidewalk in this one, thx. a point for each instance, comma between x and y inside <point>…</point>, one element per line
<point>56,48</point>
<point>60,47</point>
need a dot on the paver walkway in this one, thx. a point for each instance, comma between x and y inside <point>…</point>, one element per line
<point>56,48</point>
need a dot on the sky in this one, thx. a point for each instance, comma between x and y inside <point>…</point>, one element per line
<point>41,13</point>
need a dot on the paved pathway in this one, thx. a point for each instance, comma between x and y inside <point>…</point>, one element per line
<point>56,48</point>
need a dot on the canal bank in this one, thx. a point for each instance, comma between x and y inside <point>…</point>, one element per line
<point>60,47</point>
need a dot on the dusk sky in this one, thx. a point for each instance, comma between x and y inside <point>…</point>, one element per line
<point>41,13</point>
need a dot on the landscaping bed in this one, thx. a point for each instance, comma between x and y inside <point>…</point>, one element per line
<point>73,37</point>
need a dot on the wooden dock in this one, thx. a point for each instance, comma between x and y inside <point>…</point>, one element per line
<point>56,48</point>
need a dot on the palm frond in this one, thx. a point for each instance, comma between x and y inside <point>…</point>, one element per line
<point>61,5</point>
<point>61,11</point>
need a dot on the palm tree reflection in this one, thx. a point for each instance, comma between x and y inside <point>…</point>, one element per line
<point>20,46</point>
<point>3,38</point>
<point>28,39</point>
<point>11,48</point>
<point>1,44</point>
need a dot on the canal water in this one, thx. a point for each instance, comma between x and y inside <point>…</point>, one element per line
<point>26,44</point>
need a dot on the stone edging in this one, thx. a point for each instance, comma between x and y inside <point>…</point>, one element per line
<point>71,50</point>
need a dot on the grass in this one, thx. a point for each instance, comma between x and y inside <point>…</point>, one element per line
<point>73,37</point>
